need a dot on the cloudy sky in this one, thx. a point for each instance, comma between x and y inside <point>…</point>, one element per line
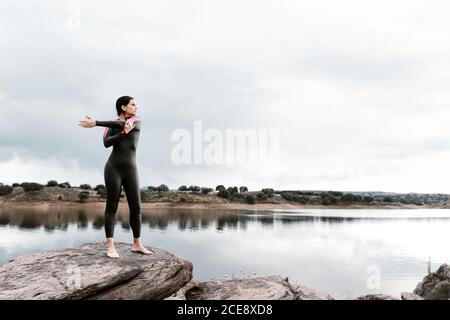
<point>357,90</point>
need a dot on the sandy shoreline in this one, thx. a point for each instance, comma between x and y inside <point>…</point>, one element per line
<point>228,206</point>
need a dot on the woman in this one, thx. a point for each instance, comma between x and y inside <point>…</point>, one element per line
<point>120,170</point>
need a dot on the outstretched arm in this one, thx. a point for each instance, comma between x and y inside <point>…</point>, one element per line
<point>118,124</point>
<point>90,123</point>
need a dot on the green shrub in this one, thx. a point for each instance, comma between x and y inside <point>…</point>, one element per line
<point>328,199</point>
<point>250,199</point>
<point>5,190</point>
<point>83,196</point>
<point>243,189</point>
<point>261,196</point>
<point>31,186</point>
<point>233,190</point>
<point>52,183</point>
<point>268,192</point>
<point>288,196</point>
<point>206,190</point>
<point>349,197</point>
<point>163,188</point>
<point>64,185</point>
<point>194,188</point>
<point>223,194</point>
<point>102,192</point>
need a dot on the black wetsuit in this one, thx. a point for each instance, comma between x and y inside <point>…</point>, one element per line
<point>121,170</point>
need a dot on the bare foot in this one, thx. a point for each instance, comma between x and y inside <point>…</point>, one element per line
<point>112,253</point>
<point>141,249</point>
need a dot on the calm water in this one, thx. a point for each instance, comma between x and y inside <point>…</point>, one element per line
<point>345,252</point>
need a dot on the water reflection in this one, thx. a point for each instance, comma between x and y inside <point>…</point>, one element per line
<point>184,219</point>
<point>330,250</point>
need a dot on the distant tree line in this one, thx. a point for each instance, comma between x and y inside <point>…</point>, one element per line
<point>242,194</point>
<point>34,186</point>
<point>195,189</point>
<point>235,194</point>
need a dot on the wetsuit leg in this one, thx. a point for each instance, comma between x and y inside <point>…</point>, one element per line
<point>131,187</point>
<point>121,170</point>
<point>113,185</point>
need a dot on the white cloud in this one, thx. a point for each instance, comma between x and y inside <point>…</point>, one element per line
<point>23,167</point>
<point>357,89</point>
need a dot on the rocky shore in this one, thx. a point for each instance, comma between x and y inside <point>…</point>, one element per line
<point>85,272</point>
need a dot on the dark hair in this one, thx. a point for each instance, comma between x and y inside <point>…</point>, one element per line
<point>122,101</point>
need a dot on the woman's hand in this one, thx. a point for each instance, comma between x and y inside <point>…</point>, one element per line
<point>129,125</point>
<point>89,123</point>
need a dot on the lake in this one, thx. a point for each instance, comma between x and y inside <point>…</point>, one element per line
<point>344,252</point>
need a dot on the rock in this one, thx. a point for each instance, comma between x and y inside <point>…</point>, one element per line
<point>260,287</point>
<point>181,294</point>
<point>378,296</point>
<point>249,288</point>
<point>410,296</point>
<point>85,272</point>
<point>436,285</point>
<point>305,293</point>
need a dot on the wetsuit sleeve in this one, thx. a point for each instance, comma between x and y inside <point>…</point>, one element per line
<point>118,124</point>
<point>110,139</point>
